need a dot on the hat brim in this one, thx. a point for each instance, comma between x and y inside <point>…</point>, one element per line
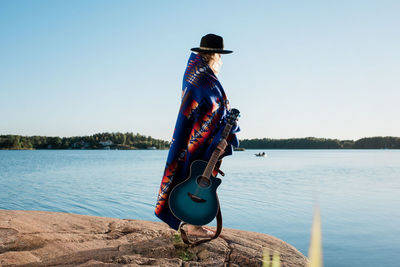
<point>219,51</point>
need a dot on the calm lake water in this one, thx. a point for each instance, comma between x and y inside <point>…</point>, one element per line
<point>358,193</point>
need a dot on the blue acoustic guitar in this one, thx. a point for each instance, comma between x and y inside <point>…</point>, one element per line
<point>195,200</point>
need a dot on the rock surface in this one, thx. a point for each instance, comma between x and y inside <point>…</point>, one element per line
<point>38,238</point>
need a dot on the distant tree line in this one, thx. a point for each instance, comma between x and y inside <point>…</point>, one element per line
<point>136,141</point>
<point>386,142</point>
<point>96,141</point>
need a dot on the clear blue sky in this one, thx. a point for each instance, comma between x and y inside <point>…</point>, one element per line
<point>299,68</point>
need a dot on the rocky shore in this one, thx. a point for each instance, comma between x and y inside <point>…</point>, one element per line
<point>38,238</point>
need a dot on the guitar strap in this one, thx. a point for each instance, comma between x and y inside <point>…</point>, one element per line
<point>200,241</point>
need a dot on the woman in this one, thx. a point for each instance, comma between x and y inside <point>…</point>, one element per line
<point>198,129</point>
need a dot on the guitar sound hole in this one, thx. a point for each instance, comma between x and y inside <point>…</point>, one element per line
<point>203,182</point>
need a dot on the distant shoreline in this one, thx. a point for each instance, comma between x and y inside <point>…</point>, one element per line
<point>106,141</point>
<point>131,141</point>
<point>165,149</point>
<point>378,142</point>
<point>79,149</point>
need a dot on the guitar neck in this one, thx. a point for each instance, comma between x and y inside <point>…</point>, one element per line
<point>217,152</point>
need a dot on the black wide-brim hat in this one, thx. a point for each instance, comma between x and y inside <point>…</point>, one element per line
<point>211,43</point>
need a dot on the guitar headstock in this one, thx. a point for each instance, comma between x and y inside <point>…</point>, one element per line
<point>233,116</point>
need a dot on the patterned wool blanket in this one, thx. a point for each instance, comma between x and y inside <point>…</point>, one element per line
<point>198,129</point>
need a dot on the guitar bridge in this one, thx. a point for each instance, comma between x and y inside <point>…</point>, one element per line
<point>196,198</point>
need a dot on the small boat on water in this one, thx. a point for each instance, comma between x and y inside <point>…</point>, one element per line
<point>261,154</point>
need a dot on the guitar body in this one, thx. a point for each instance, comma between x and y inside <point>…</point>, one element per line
<point>195,200</point>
